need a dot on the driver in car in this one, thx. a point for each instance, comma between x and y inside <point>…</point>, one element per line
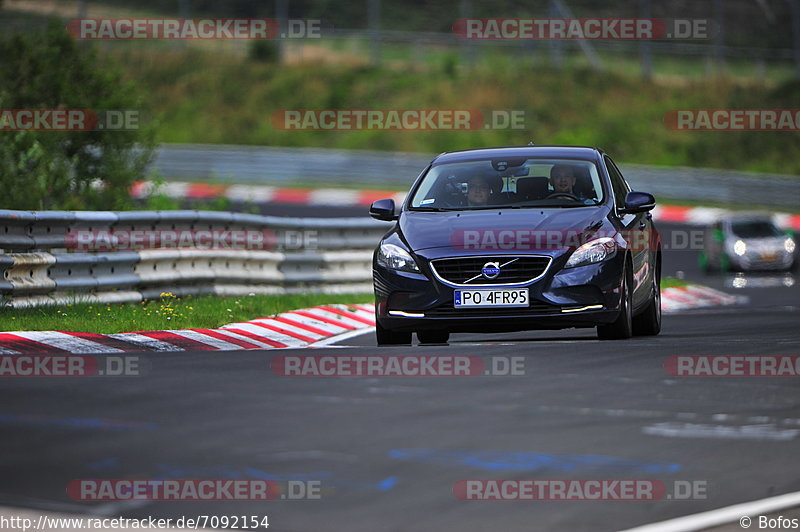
<point>478,191</point>
<point>562,179</point>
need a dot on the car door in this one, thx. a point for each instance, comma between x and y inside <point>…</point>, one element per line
<point>636,228</point>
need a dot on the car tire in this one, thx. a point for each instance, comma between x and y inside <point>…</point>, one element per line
<point>648,323</point>
<point>433,337</point>
<point>390,337</point>
<point>622,327</point>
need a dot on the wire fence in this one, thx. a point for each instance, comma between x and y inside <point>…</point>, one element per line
<point>759,40</point>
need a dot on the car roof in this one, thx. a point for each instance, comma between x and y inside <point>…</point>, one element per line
<point>586,153</point>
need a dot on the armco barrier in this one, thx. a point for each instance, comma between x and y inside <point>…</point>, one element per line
<point>39,264</point>
<point>257,165</point>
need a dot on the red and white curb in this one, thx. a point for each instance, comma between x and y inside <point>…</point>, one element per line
<point>267,194</point>
<point>355,198</point>
<point>311,327</point>
<point>693,296</point>
<point>316,326</point>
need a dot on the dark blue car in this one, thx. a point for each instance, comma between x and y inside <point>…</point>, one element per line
<point>518,238</point>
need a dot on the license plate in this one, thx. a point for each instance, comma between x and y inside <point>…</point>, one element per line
<point>769,256</point>
<point>491,298</point>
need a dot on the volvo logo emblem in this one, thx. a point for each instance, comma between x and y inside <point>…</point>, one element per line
<point>491,270</point>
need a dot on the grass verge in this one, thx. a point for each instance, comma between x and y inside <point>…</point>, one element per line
<point>673,282</point>
<point>199,312</point>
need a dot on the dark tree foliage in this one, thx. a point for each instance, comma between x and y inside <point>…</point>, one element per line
<point>66,169</point>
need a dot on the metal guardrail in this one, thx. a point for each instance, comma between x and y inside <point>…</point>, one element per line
<point>269,165</point>
<point>39,263</point>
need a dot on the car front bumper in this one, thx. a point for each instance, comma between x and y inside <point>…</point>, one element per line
<point>584,296</point>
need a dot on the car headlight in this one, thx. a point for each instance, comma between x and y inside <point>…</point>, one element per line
<point>396,258</point>
<point>740,248</point>
<point>789,245</point>
<point>593,251</point>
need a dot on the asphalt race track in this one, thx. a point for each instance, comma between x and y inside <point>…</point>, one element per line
<point>388,451</point>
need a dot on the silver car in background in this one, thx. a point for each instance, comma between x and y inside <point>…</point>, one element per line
<point>747,242</point>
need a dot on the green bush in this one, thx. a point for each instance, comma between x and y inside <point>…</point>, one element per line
<point>66,169</point>
<point>264,51</point>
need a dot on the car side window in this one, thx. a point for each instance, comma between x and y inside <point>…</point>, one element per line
<point>618,183</point>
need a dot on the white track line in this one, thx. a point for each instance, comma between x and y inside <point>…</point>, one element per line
<point>342,337</point>
<point>721,516</point>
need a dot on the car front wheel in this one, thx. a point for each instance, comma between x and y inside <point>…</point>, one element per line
<point>622,327</point>
<point>390,337</point>
<point>433,337</point>
<point>648,323</point>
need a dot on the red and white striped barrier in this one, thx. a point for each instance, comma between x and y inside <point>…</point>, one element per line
<point>296,329</point>
<point>355,198</point>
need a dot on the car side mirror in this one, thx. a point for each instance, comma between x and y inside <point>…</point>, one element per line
<point>638,202</point>
<point>383,210</point>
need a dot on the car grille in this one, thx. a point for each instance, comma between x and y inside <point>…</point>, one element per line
<point>536,307</point>
<point>462,270</point>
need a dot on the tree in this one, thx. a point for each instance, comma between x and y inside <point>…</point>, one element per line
<point>92,169</point>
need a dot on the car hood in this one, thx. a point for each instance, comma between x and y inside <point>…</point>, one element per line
<point>428,230</point>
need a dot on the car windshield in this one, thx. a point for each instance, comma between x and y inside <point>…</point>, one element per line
<point>755,229</point>
<point>509,183</point>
